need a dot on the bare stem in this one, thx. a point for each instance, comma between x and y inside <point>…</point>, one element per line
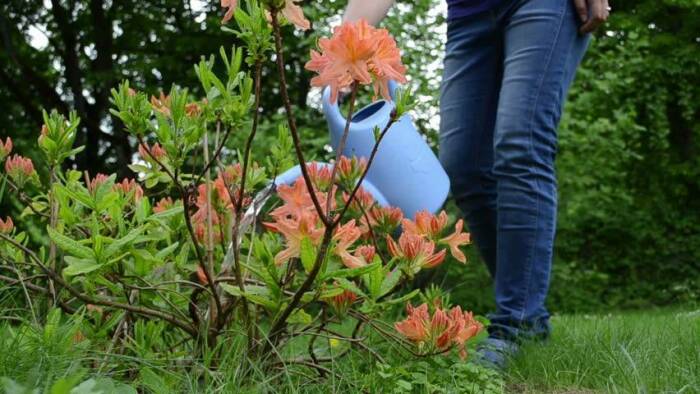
<point>340,148</point>
<point>290,117</point>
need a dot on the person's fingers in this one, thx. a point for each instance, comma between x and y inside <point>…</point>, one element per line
<point>581,10</point>
<point>597,15</point>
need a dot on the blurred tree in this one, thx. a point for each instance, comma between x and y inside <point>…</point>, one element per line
<point>67,54</point>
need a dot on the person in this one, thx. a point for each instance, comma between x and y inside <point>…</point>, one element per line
<point>507,68</point>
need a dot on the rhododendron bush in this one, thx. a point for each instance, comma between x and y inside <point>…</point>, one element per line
<point>208,245</point>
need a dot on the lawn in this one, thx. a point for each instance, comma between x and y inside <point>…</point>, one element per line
<point>634,352</point>
<point>641,352</point>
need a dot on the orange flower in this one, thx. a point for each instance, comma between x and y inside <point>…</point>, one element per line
<point>221,204</point>
<point>416,251</point>
<point>192,110</point>
<point>294,231</point>
<point>444,329</point>
<point>426,224</point>
<point>346,235</point>
<point>163,205</point>
<point>457,239</point>
<point>295,14</point>
<point>415,326</point>
<point>464,327</point>
<point>231,5</point>
<point>357,52</point>
<point>5,148</point>
<point>7,226</point>
<point>161,104</point>
<point>365,253</point>
<point>126,187</point>
<point>296,200</point>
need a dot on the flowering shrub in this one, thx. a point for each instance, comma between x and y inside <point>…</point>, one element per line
<point>181,245</point>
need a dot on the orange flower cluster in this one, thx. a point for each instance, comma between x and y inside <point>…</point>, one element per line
<point>417,244</point>
<point>297,219</point>
<point>224,195</point>
<point>441,331</point>
<point>357,52</point>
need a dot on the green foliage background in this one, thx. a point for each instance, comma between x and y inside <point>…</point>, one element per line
<point>629,164</point>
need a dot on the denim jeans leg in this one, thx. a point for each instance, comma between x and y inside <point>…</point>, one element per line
<point>469,94</point>
<point>542,49</point>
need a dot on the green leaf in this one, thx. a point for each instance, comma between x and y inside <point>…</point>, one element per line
<point>350,286</point>
<point>69,245</point>
<point>79,195</point>
<point>167,213</point>
<point>299,317</point>
<point>352,272</point>
<point>390,281</point>
<point>119,244</point>
<point>308,254</point>
<point>404,298</point>
<point>79,266</point>
<point>167,251</point>
<point>374,279</point>
<point>256,294</point>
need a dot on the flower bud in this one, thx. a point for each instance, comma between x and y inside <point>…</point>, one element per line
<point>96,182</point>
<point>7,226</point>
<point>20,169</point>
<point>5,148</point>
<point>163,205</point>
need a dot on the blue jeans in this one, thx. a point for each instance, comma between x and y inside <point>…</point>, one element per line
<point>507,72</point>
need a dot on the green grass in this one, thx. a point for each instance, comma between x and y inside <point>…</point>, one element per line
<point>643,352</point>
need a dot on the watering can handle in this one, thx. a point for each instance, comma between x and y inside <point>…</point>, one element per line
<point>332,109</point>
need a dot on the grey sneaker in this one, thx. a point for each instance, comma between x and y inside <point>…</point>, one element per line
<point>495,353</point>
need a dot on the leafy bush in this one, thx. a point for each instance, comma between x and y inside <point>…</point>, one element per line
<point>177,261</point>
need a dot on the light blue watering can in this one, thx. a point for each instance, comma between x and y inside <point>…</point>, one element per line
<point>405,172</point>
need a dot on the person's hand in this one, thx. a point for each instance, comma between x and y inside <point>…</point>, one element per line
<point>593,13</point>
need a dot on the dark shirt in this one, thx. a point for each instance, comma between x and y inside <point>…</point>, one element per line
<point>460,8</point>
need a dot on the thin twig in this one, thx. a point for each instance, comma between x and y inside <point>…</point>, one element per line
<point>341,147</point>
<point>290,116</point>
<point>99,301</point>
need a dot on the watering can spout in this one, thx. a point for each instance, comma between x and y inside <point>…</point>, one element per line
<point>405,170</point>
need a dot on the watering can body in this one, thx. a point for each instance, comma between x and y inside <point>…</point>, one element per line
<point>405,171</point>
